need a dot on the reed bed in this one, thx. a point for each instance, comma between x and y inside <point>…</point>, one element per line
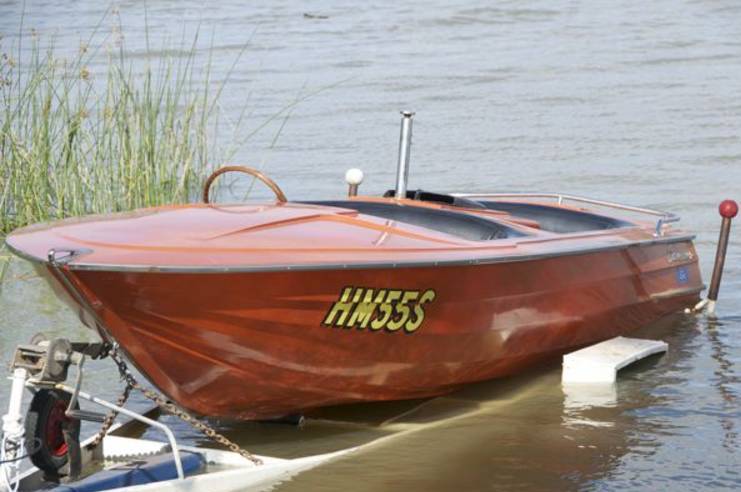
<point>76,140</point>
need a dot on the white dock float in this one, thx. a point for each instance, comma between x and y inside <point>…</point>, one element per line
<point>598,364</point>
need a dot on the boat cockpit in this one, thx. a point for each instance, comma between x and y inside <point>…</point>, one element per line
<point>556,219</point>
<point>466,226</point>
<point>474,227</point>
<point>552,219</point>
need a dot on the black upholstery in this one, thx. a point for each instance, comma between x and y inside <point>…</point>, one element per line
<point>554,219</point>
<point>458,224</point>
<point>428,196</point>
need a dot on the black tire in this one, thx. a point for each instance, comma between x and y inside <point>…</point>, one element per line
<point>44,435</point>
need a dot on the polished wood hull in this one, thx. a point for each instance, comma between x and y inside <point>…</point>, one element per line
<point>255,311</point>
<point>254,345</point>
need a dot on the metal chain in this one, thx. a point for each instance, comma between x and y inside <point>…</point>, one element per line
<point>111,417</point>
<point>169,407</point>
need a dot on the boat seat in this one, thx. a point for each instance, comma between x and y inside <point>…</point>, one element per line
<point>466,226</point>
<point>556,219</point>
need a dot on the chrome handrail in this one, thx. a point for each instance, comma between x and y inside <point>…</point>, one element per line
<point>664,217</point>
<point>174,449</point>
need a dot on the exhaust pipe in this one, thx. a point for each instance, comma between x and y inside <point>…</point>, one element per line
<point>405,147</point>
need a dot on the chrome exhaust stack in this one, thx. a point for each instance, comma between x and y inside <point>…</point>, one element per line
<point>405,147</point>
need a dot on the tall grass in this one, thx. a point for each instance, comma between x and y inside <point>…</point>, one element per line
<point>76,140</point>
<point>5,260</point>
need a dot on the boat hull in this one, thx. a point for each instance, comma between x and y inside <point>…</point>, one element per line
<point>255,345</point>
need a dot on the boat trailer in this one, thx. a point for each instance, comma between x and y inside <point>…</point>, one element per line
<point>48,435</point>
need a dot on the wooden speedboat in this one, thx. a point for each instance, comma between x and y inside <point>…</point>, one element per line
<point>260,310</point>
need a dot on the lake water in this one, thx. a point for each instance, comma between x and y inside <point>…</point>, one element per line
<point>630,101</point>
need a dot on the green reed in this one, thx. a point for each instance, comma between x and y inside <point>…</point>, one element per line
<point>97,132</point>
<point>5,260</point>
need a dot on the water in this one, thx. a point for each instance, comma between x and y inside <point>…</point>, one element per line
<point>631,101</point>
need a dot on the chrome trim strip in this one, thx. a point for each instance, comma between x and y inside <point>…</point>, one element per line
<point>57,265</point>
<point>361,266</point>
<point>23,255</point>
<point>677,293</point>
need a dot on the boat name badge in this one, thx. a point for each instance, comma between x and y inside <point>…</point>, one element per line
<point>377,309</point>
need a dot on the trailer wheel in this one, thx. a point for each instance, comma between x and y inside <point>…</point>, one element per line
<point>45,425</point>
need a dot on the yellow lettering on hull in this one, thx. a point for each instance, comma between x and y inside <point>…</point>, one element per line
<point>379,309</point>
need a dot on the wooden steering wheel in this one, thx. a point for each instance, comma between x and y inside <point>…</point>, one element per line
<point>279,195</point>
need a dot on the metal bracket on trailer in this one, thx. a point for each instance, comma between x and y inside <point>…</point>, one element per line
<point>44,365</point>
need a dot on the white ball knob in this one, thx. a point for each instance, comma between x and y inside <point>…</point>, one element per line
<point>354,176</point>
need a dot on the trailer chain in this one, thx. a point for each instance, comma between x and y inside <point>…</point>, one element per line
<point>168,406</point>
<point>111,417</point>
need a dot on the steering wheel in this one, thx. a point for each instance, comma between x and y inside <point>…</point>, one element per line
<point>279,195</point>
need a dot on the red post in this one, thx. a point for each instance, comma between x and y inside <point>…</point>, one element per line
<point>728,210</point>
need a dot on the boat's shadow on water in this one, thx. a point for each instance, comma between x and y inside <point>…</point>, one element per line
<point>333,428</point>
<point>524,432</point>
